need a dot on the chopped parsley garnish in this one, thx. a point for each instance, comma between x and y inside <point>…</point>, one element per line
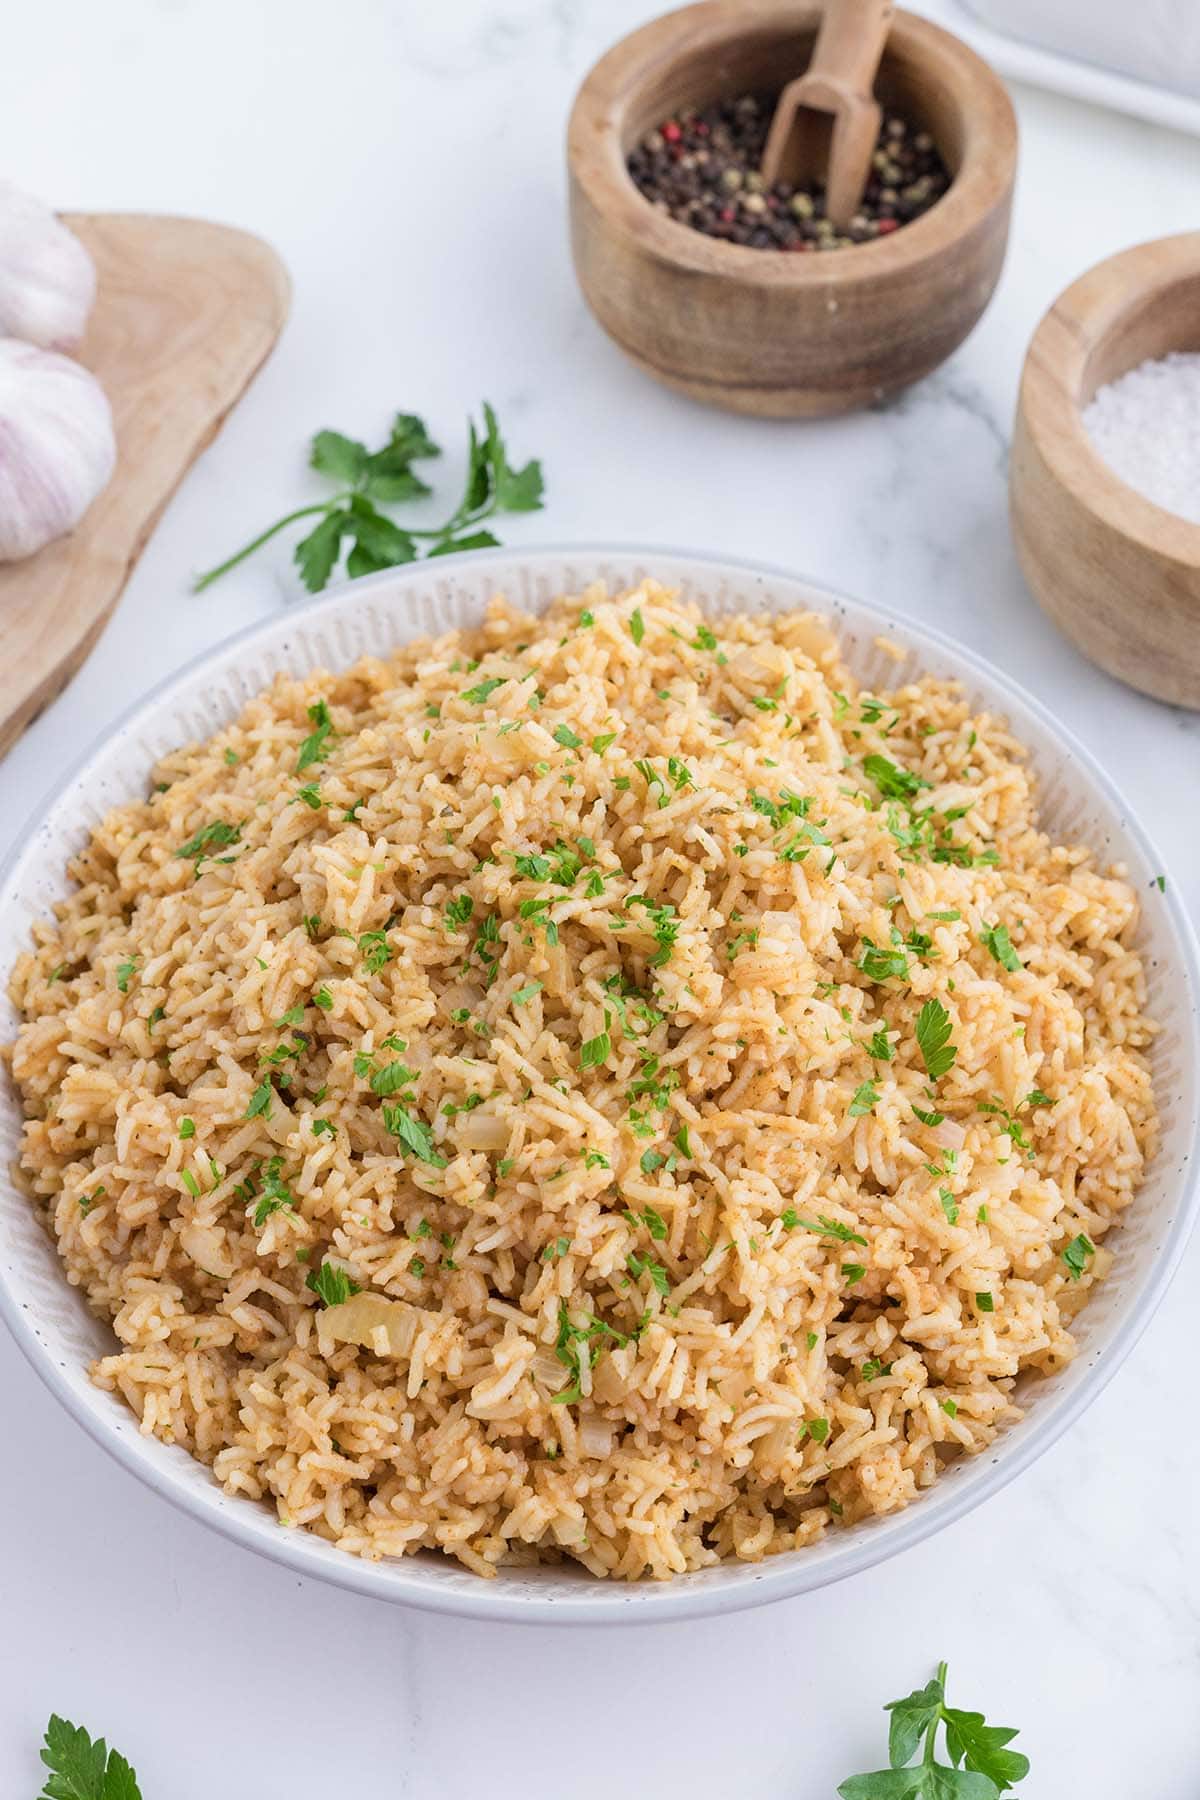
<point>1077,1255</point>
<point>879,1046</point>
<point>562,734</point>
<point>413,1133</point>
<point>375,950</point>
<point>276,1196</point>
<point>825,1227</point>
<point>313,748</point>
<point>884,965</point>
<point>933,1039</point>
<point>637,625</point>
<point>853,1272</point>
<point>874,1367</point>
<point>654,1222</point>
<point>995,939</point>
<point>458,911</point>
<point>893,783</point>
<point>647,1265</point>
<point>124,971</point>
<point>949,1205</point>
<point>187,1128</point>
<point>331,1285</point>
<point>215,836</point>
<point>483,690</point>
<point>594,1051</point>
<point>391,1078</point>
<point>865,1099</point>
<point>928,1118</point>
<point>260,1102</point>
<point>818,1430</point>
<point>985,1302</point>
<point>526,993</point>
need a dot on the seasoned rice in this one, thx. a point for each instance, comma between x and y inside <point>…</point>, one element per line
<point>483,1089</point>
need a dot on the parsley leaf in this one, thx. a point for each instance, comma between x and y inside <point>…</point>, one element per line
<point>82,1769</point>
<point>313,748</point>
<point>995,938</point>
<point>413,1133</point>
<point>368,479</point>
<point>594,1051</point>
<point>1077,1255</point>
<point>933,1039</point>
<point>981,1766</point>
<point>331,1285</point>
<point>893,783</point>
<point>865,1099</point>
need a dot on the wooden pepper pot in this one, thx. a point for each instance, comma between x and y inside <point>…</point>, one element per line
<point>762,331</point>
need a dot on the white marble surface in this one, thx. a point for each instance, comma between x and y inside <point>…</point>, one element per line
<point>407,161</point>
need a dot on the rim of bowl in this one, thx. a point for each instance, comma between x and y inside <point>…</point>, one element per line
<point>1059,345</point>
<point>786,1576</point>
<point>985,177</point>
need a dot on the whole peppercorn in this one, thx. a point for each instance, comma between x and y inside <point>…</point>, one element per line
<point>702,169</point>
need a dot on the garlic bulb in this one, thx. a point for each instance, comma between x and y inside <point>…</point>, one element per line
<point>47,281</point>
<point>57,448</point>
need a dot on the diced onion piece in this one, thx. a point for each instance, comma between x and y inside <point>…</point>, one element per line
<point>207,1248</point>
<point>482,1130</point>
<point>596,1435</point>
<point>369,1320</point>
<point>949,1135</point>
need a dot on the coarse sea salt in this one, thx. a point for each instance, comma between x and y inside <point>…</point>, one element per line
<point>1146,426</point>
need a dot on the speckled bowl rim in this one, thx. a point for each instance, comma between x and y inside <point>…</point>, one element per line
<point>514,1597</point>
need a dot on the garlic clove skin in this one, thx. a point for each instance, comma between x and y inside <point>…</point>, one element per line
<point>47,278</point>
<point>57,446</point>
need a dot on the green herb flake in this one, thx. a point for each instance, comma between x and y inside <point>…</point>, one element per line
<point>996,941</point>
<point>187,1128</point>
<point>313,748</point>
<point>933,1039</point>
<point>331,1285</point>
<point>637,625</point>
<point>866,1098</point>
<point>260,1103</point>
<point>1077,1255</point>
<point>482,691</point>
<point>594,1051</point>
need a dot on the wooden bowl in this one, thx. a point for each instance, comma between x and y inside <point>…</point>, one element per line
<point>1120,575</point>
<point>762,331</point>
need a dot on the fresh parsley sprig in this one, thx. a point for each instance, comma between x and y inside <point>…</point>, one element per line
<point>82,1769</point>
<point>370,479</point>
<point>981,1767</point>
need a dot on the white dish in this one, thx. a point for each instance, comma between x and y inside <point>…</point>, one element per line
<point>1021,59</point>
<point>61,1338</point>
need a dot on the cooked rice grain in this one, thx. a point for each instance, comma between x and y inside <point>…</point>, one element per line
<point>592,1319</point>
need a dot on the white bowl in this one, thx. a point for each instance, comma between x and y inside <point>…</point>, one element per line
<point>61,1338</point>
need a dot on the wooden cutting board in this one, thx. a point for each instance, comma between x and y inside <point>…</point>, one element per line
<point>186,313</point>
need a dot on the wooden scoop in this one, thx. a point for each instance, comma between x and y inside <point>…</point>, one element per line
<point>826,122</point>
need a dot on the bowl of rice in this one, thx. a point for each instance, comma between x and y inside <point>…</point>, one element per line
<point>588,1085</point>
